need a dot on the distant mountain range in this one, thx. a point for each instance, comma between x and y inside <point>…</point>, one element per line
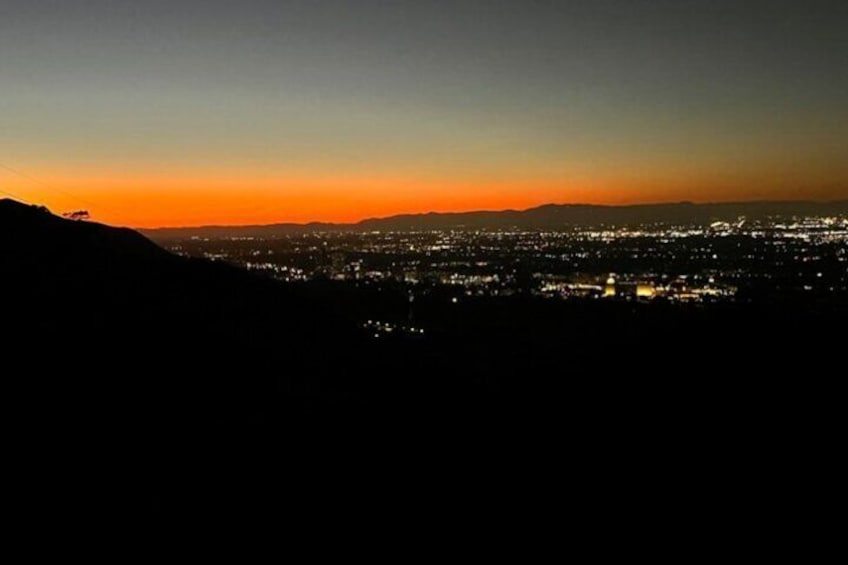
<point>550,216</point>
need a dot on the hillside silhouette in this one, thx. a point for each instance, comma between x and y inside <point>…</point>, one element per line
<point>70,282</point>
<point>549,216</point>
<point>208,392</point>
<point>120,353</point>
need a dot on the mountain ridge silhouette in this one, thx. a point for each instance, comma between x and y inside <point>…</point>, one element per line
<point>546,216</point>
<point>74,283</point>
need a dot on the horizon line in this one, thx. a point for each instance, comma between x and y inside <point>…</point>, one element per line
<point>496,211</point>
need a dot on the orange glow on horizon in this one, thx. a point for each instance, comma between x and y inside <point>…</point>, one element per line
<point>238,199</point>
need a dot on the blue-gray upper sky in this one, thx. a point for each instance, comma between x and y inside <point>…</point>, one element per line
<point>601,100</point>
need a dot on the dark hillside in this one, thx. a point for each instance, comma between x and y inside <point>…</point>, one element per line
<point>207,391</point>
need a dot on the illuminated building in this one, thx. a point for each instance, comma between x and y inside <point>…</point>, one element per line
<point>609,290</point>
<point>645,291</point>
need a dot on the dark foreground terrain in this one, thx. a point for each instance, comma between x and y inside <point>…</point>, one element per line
<point>176,388</point>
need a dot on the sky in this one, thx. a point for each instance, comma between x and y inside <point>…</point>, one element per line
<point>193,112</point>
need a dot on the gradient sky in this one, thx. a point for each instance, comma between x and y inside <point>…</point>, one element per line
<point>187,112</point>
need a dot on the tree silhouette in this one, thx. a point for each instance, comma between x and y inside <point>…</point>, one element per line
<point>77,215</point>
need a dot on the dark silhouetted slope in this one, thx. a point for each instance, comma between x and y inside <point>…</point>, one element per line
<point>73,273</point>
<point>186,389</point>
<point>121,354</point>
